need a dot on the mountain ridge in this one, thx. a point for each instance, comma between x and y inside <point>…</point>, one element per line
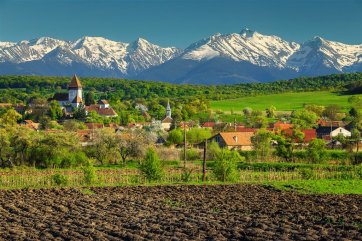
<point>247,56</point>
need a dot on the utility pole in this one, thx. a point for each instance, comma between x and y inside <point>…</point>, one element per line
<point>184,144</point>
<point>204,162</point>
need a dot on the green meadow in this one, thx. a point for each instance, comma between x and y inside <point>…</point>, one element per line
<point>282,102</point>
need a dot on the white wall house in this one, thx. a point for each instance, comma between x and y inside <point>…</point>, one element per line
<point>340,131</point>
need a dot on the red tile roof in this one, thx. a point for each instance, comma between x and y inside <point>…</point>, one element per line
<point>237,138</point>
<point>101,111</point>
<point>209,124</point>
<point>309,134</point>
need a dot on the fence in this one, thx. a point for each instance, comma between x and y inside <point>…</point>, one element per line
<point>113,177</point>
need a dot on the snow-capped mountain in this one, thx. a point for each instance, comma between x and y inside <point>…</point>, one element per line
<point>97,54</point>
<point>247,56</point>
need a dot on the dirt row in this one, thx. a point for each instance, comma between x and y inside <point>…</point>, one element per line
<point>219,212</point>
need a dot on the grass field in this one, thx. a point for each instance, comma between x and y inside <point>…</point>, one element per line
<point>282,102</point>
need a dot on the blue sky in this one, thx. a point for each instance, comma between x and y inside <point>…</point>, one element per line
<point>180,22</point>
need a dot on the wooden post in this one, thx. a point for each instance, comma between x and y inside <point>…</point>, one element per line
<point>184,145</point>
<point>204,162</point>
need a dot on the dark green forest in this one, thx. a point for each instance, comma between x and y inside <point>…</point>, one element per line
<point>15,89</point>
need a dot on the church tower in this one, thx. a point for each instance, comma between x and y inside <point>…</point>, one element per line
<point>75,92</point>
<point>168,109</point>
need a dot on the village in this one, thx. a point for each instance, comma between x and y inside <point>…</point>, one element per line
<point>167,132</point>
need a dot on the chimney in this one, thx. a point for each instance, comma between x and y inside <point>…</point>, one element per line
<point>235,138</point>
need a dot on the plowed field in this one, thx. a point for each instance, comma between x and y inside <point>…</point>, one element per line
<point>220,212</point>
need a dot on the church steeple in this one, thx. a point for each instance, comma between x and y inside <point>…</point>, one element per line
<point>168,109</point>
<point>75,83</point>
<point>75,94</point>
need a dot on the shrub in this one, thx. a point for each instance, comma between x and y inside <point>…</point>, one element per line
<point>186,174</point>
<point>89,173</point>
<point>192,154</point>
<point>151,167</point>
<point>316,151</point>
<point>359,172</point>
<point>225,166</point>
<point>59,179</point>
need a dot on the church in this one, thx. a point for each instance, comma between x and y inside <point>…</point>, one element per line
<point>74,99</point>
<point>167,121</point>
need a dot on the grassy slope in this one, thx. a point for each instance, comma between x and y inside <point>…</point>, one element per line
<point>321,186</point>
<point>283,102</point>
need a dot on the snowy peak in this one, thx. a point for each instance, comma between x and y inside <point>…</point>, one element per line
<point>97,52</point>
<point>250,46</point>
<point>247,56</point>
<point>326,54</point>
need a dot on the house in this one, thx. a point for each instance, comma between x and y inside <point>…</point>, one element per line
<point>101,110</point>
<point>340,131</point>
<point>234,140</point>
<point>324,132</point>
<point>167,121</point>
<point>309,134</point>
<point>208,125</point>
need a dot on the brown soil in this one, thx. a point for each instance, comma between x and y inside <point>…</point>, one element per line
<point>231,212</point>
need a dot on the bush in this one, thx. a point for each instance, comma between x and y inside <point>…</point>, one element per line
<point>316,151</point>
<point>225,166</point>
<point>89,173</point>
<point>151,167</point>
<point>59,179</point>
<point>186,174</point>
<point>359,172</point>
<point>248,155</point>
<point>192,154</point>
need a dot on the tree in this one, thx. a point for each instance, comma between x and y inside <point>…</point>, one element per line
<point>55,111</point>
<point>262,144</point>
<point>89,98</point>
<point>284,148</point>
<point>225,166</point>
<point>151,167</point>
<point>270,112</point>
<point>304,119</point>
<point>133,143</point>
<point>317,109</point>
<point>197,135</point>
<point>74,125</point>
<point>332,111</point>
<point>79,112</point>
<point>5,149</point>
<point>44,122</point>
<point>316,151</point>
<point>10,118</point>
<point>104,146</point>
<point>175,137</point>
<point>39,108</point>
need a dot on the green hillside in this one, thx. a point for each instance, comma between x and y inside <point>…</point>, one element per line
<point>283,101</point>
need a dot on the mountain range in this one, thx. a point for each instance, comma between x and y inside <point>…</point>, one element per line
<point>242,57</point>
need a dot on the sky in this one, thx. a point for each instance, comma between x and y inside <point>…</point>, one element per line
<point>180,22</point>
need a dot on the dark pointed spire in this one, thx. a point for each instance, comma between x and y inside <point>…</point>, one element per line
<point>75,83</point>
